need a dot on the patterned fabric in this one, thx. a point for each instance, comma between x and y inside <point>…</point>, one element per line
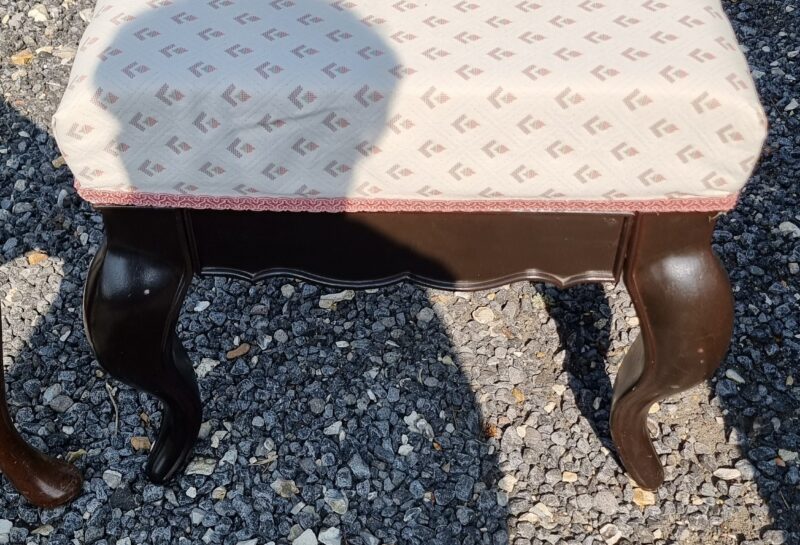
<point>331,105</point>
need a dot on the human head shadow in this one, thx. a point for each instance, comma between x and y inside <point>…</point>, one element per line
<point>238,102</point>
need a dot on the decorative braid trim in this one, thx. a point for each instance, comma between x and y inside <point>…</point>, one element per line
<point>276,204</point>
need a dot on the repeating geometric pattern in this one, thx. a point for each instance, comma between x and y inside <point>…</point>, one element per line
<point>331,105</point>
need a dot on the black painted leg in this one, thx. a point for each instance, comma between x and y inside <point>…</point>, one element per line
<point>683,298</point>
<point>133,296</point>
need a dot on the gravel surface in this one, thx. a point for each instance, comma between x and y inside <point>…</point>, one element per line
<point>399,415</point>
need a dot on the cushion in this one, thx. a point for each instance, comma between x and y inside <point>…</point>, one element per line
<point>455,105</point>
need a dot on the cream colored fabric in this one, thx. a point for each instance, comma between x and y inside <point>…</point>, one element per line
<point>411,105</point>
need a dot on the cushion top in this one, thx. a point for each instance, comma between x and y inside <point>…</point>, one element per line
<point>459,105</point>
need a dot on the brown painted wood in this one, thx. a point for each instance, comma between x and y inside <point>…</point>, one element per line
<point>136,286</point>
<point>463,251</point>
<point>42,480</point>
<point>685,306</point>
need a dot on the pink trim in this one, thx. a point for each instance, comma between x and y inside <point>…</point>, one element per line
<point>275,204</point>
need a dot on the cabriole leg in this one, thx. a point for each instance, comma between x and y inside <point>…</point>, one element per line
<point>685,306</point>
<point>133,296</point>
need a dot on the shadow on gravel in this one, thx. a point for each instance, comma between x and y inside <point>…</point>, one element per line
<point>757,384</point>
<point>583,318</point>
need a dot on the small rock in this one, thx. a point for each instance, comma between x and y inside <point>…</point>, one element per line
<point>59,162</point>
<point>206,366</point>
<point>417,424</point>
<point>197,516</point>
<point>230,457</point>
<point>542,512</point>
<point>792,106</point>
<point>44,530</point>
<point>306,538</point>
<point>426,315</point>
<point>330,300</point>
<point>606,502</point>
<point>559,389</point>
<point>285,488</point>
<point>794,268</point>
<point>287,290</point>
<point>253,541</point>
<point>23,57</point>
<point>331,536</point>
<point>483,315</point>
<point>34,258</point>
<point>405,450</point>
<point>507,483</point>
<point>201,466</point>
<point>281,336</point>
<point>51,392</point>
<point>774,537</point>
<point>789,228</point>
<point>238,352</point>
<point>219,493</point>
<point>643,498</point>
<point>358,467</point>
<point>734,376</point>
<point>728,474</point>
<point>747,469</point>
<point>39,13</point>
<point>569,477</point>
<point>337,501</point>
<point>112,478</point>
<point>201,306</point>
<point>5,527</point>
<point>787,455</point>
<point>75,455</point>
<point>140,443</point>
<point>333,429</point>
<point>316,405</point>
<point>216,437</point>
<point>61,403</point>
<point>610,534</point>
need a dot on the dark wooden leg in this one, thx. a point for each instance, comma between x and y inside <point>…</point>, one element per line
<point>133,297</point>
<point>685,306</point>
<point>44,481</point>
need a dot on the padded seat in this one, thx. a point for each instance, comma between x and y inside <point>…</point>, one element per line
<point>455,105</point>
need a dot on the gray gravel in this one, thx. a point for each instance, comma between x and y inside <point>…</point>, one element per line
<point>396,417</point>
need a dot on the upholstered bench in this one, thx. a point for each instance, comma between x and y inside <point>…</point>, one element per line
<point>459,144</point>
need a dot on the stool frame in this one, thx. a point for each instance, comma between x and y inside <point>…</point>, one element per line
<point>681,292</point>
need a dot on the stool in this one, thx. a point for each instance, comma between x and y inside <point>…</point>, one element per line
<point>461,145</point>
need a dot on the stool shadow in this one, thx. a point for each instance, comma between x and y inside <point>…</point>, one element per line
<point>583,318</point>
